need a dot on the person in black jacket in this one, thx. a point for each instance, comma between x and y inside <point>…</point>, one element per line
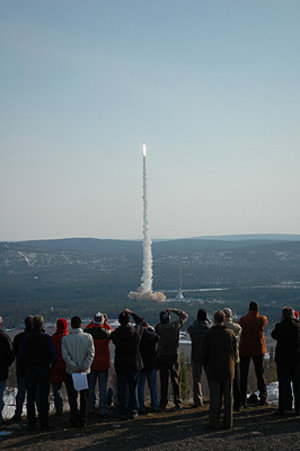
<point>37,355</point>
<point>150,363</point>
<point>287,356</point>
<point>197,330</point>
<point>6,359</point>
<point>20,370</point>
<point>128,362</point>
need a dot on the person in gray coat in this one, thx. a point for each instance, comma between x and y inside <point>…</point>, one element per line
<point>78,352</point>
<point>197,330</point>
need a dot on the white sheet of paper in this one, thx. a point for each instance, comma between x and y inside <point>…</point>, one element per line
<point>80,381</point>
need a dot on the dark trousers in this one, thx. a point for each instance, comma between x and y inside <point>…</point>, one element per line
<point>218,390</point>
<point>78,417</point>
<point>288,374</point>
<point>236,388</point>
<point>37,381</point>
<point>20,398</point>
<point>197,382</point>
<point>129,380</point>
<point>259,371</point>
<point>169,365</point>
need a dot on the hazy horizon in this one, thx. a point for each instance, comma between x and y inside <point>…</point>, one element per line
<point>229,237</point>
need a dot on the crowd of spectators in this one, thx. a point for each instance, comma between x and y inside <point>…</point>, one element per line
<point>80,359</point>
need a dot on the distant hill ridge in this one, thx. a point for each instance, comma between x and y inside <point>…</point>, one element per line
<point>225,242</point>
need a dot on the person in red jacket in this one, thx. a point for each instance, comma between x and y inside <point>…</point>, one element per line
<point>100,330</point>
<point>252,345</point>
<point>58,371</point>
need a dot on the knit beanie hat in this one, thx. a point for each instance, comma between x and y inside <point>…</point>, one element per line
<point>61,325</point>
<point>98,318</point>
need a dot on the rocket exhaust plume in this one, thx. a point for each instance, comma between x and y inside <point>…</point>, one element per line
<point>147,251</point>
<point>145,290</point>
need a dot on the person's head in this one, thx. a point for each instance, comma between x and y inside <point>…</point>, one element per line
<point>61,325</point>
<point>98,318</point>
<point>164,317</point>
<point>228,313</point>
<point>296,314</point>
<point>28,321</point>
<point>253,306</point>
<point>219,317</point>
<point>38,322</point>
<point>287,313</point>
<point>201,315</point>
<point>75,322</point>
<point>124,318</point>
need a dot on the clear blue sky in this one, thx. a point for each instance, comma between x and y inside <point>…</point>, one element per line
<point>211,86</point>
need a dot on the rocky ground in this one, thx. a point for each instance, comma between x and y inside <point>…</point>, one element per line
<point>255,428</point>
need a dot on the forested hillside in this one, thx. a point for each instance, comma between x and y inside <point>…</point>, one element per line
<point>69,275</point>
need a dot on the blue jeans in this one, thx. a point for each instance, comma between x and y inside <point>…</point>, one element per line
<point>58,399</point>
<point>152,384</point>
<point>102,384</point>
<point>20,398</point>
<point>130,380</point>
<point>2,388</point>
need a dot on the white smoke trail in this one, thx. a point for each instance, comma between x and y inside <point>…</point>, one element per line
<point>144,292</point>
<point>147,251</point>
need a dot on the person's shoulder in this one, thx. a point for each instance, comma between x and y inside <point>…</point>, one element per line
<point>236,327</point>
<point>6,338</point>
<point>229,332</point>
<point>87,335</point>
<point>263,318</point>
<point>4,334</point>
<point>295,323</point>
<point>66,338</point>
<point>20,335</point>
<point>47,336</point>
<point>212,330</point>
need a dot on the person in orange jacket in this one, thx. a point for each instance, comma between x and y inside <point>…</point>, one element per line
<point>100,330</point>
<point>252,345</point>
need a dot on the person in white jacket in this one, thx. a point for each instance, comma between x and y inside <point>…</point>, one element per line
<point>78,352</point>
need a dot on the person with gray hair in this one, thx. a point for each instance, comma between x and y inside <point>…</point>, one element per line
<point>287,357</point>
<point>219,355</point>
